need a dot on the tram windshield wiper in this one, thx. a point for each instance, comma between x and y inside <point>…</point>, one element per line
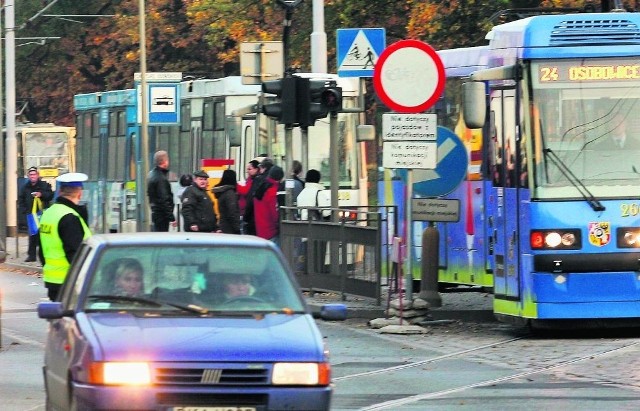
<point>575,181</point>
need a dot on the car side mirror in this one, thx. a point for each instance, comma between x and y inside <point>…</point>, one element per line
<point>51,310</point>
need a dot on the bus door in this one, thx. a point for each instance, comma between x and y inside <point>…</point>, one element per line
<point>502,202</point>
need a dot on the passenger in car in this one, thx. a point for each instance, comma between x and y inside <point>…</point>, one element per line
<point>129,278</point>
<point>237,286</point>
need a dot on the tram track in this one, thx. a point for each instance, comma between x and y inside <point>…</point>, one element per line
<point>420,397</point>
<point>525,355</point>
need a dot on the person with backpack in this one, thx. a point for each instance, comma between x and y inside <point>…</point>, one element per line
<point>314,194</point>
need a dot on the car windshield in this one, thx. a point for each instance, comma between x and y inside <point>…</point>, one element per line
<point>189,280</point>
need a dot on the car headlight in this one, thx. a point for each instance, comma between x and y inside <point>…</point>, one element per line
<point>120,373</point>
<point>301,373</point>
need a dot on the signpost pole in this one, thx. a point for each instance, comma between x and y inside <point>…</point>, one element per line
<point>408,275</point>
<point>335,185</point>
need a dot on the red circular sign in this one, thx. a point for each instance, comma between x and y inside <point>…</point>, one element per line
<point>409,76</point>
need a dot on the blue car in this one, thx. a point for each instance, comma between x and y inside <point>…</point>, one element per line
<point>183,322</point>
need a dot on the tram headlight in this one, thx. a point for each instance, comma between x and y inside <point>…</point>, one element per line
<point>566,239</point>
<point>628,237</point>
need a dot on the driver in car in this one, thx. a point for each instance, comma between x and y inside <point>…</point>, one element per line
<point>129,278</point>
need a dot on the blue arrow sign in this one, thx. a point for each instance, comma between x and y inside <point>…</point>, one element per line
<point>358,51</point>
<point>451,168</point>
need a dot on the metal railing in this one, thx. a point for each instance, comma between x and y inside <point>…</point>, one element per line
<point>345,253</point>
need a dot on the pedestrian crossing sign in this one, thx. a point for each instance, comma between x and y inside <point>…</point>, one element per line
<point>358,51</point>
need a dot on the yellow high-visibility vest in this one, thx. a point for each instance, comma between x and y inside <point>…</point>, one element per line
<point>56,264</point>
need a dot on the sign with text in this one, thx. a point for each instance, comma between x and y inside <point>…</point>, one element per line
<point>409,127</point>
<point>414,154</point>
<point>430,209</point>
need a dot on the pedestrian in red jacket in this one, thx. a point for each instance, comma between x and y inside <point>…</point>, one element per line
<point>265,204</point>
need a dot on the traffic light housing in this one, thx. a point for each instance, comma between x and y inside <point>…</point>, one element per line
<point>316,99</point>
<point>302,101</point>
<point>284,111</point>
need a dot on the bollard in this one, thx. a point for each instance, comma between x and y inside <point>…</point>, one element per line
<point>429,266</point>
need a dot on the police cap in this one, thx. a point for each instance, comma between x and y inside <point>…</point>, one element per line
<point>71,179</point>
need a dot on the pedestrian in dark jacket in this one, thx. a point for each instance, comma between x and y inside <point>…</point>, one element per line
<point>197,206</point>
<point>34,188</point>
<point>160,195</point>
<point>243,189</point>
<point>228,209</point>
<point>249,214</point>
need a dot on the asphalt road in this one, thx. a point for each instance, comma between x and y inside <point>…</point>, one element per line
<point>456,364</point>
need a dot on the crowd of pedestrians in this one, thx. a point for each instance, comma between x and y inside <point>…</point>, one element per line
<point>231,207</point>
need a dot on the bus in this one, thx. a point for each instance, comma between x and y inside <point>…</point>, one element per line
<point>550,208</point>
<point>218,119</point>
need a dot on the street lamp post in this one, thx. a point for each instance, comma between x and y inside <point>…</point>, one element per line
<point>144,129</point>
<point>11,145</point>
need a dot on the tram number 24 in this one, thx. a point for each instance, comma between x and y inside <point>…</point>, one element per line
<point>629,209</point>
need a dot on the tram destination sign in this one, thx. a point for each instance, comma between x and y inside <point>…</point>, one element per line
<point>587,71</point>
<point>409,127</point>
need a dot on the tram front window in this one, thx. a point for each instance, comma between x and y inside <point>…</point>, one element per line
<point>579,115</point>
<point>319,150</point>
<point>47,150</point>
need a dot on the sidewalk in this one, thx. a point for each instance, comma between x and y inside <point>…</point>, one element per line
<point>464,303</point>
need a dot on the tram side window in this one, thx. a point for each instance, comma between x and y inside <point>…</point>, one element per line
<point>219,113</point>
<point>116,146</point>
<point>208,115</point>
<point>113,124</point>
<point>495,155</point>
<point>95,125</point>
<point>185,117</point>
<point>162,139</point>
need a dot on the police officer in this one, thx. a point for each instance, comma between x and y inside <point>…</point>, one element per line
<point>63,227</point>
<point>197,206</point>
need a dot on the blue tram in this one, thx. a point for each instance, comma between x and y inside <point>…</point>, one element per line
<point>550,208</point>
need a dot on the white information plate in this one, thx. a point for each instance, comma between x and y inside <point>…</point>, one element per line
<point>409,127</point>
<point>431,209</point>
<point>413,154</point>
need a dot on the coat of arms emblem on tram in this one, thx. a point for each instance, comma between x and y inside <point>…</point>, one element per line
<point>599,233</point>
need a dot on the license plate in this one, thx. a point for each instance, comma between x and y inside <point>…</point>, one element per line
<point>225,408</point>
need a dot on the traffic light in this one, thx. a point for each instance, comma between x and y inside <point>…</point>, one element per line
<point>316,99</point>
<point>285,110</point>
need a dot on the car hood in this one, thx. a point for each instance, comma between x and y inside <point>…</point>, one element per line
<point>274,337</point>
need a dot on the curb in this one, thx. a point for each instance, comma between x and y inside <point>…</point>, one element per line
<point>437,314</point>
<point>24,267</point>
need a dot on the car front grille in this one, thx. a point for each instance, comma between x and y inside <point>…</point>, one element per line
<point>212,376</point>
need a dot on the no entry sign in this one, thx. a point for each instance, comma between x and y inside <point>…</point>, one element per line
<point>409,76</point>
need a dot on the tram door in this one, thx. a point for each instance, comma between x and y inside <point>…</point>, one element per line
<point>503,201</point>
